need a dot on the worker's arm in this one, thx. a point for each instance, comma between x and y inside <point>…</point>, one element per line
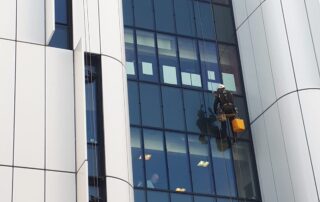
<point>215,105</point>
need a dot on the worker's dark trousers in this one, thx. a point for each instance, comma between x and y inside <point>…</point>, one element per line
<point>224,129</point>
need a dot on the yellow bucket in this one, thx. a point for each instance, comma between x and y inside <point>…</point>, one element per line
<point>238,125</point>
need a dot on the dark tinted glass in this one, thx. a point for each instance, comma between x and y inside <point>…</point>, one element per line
<point>203,199</point>
<point>245,171</point>
<point>60,38</point>
<point>137,157</point>
<point>204,20</point>
<point>185,17</point>
<point>190,69</point>
<point>194,110</point>
<point>143,11</point>
<point>94,160</point>
<point>134,107</point>
<point>223,167</point>
<point>200,166</point>
<point>181,198</point>
<point>127,12</point>
<point>61,11</point>
<point>139,196</point>
<point>155,160</point>
<point>150,105</point>
<point>242,112</point>
<point>230,68</point>
<point>225,2</point>
<point>224,24</point>
<point>164,15</point>
<point>173,108</point>
<point>147,60</point>
<point>168,60</point>
<point>130,53</point>
<point>211,122</point>
<point>210,70</point>
<point>178,162</point>
<point>157,196</point>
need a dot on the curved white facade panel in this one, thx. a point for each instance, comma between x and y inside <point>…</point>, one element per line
<point>284,57</point>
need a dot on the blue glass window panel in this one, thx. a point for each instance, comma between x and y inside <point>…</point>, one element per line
<point>203,199</point>
<point>190,69</point>
<point>150,105</point>
<point>245,170</point>
<point>147,60</point>
<point>185,17</point>
<point>242,112</point>
<point>194,110</point>
<point>91,106</point>
<point>128,12</point>
<point>181,198</point>
<point>94,160</point>
<point>173,108</point>
<point>134,107</point>
<point>139,196</point>
<point>143,11</point>
<point>224,24</point>
<point>225,200</point>
<point>154,196</point>
<point>201,170</point>
<point>60,38</point>
<point>164,15</point>
<point>168,60</point>
<point>213,124</point>
<point>204,20</point>
<point>230,68</point>
<point>223,168</point>
<point>209,64</point>
<point>178,161</point>
<point>155,161</point>
<point>61,11</point>
<point>137,157</point>
<point>130,53</point>
<point>225,2</point>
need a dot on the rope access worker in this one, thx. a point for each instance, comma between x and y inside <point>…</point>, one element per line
<point>224,109</point>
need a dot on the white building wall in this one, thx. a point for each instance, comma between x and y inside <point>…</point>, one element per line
<point>43,155</point>
<point>279,49</point>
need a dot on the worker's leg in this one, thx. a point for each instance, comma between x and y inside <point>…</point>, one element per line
<point>234,135</point>
<point>223,131</point>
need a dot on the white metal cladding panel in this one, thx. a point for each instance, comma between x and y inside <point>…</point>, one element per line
<point>118,190</point>
<point>7,19</point>
<point>311,110</point>
<point>80,102</point>
<point>264,165</point>
<point>313,9</point>
<point>297,149</point>
<point>31,21</point>
<point>60,187</point>
<point>7,77</point>
<point>249,71</point>
<point>92,26</point>
<point>261,54</point>
<point>110,29</point>
<point>28,185</point>
<point>240,11</point>
<point>252,5</point>
<point>60,131</point>
<point>77,22</point>
<point>5,184</point>
<point>304,60</point>
<point>278,155</point>
<point>278,47</point>
<point>82,183</point>
<point>115,125</point>
<point>50,19</point>
<point>30,106</point>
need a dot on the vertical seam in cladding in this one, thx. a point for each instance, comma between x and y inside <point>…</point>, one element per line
<point>313,46</point>
<point>254,59</point>
<point>14,102</point>
<point>304,127</point>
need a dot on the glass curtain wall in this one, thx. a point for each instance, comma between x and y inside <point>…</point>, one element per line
<point>177,52</point>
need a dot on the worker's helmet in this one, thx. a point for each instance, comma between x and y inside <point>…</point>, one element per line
<point>221,86</point>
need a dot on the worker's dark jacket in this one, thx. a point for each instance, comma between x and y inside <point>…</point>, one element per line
<point>224,101</point>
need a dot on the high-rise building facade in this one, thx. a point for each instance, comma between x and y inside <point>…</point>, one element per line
<point>111,100</point>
